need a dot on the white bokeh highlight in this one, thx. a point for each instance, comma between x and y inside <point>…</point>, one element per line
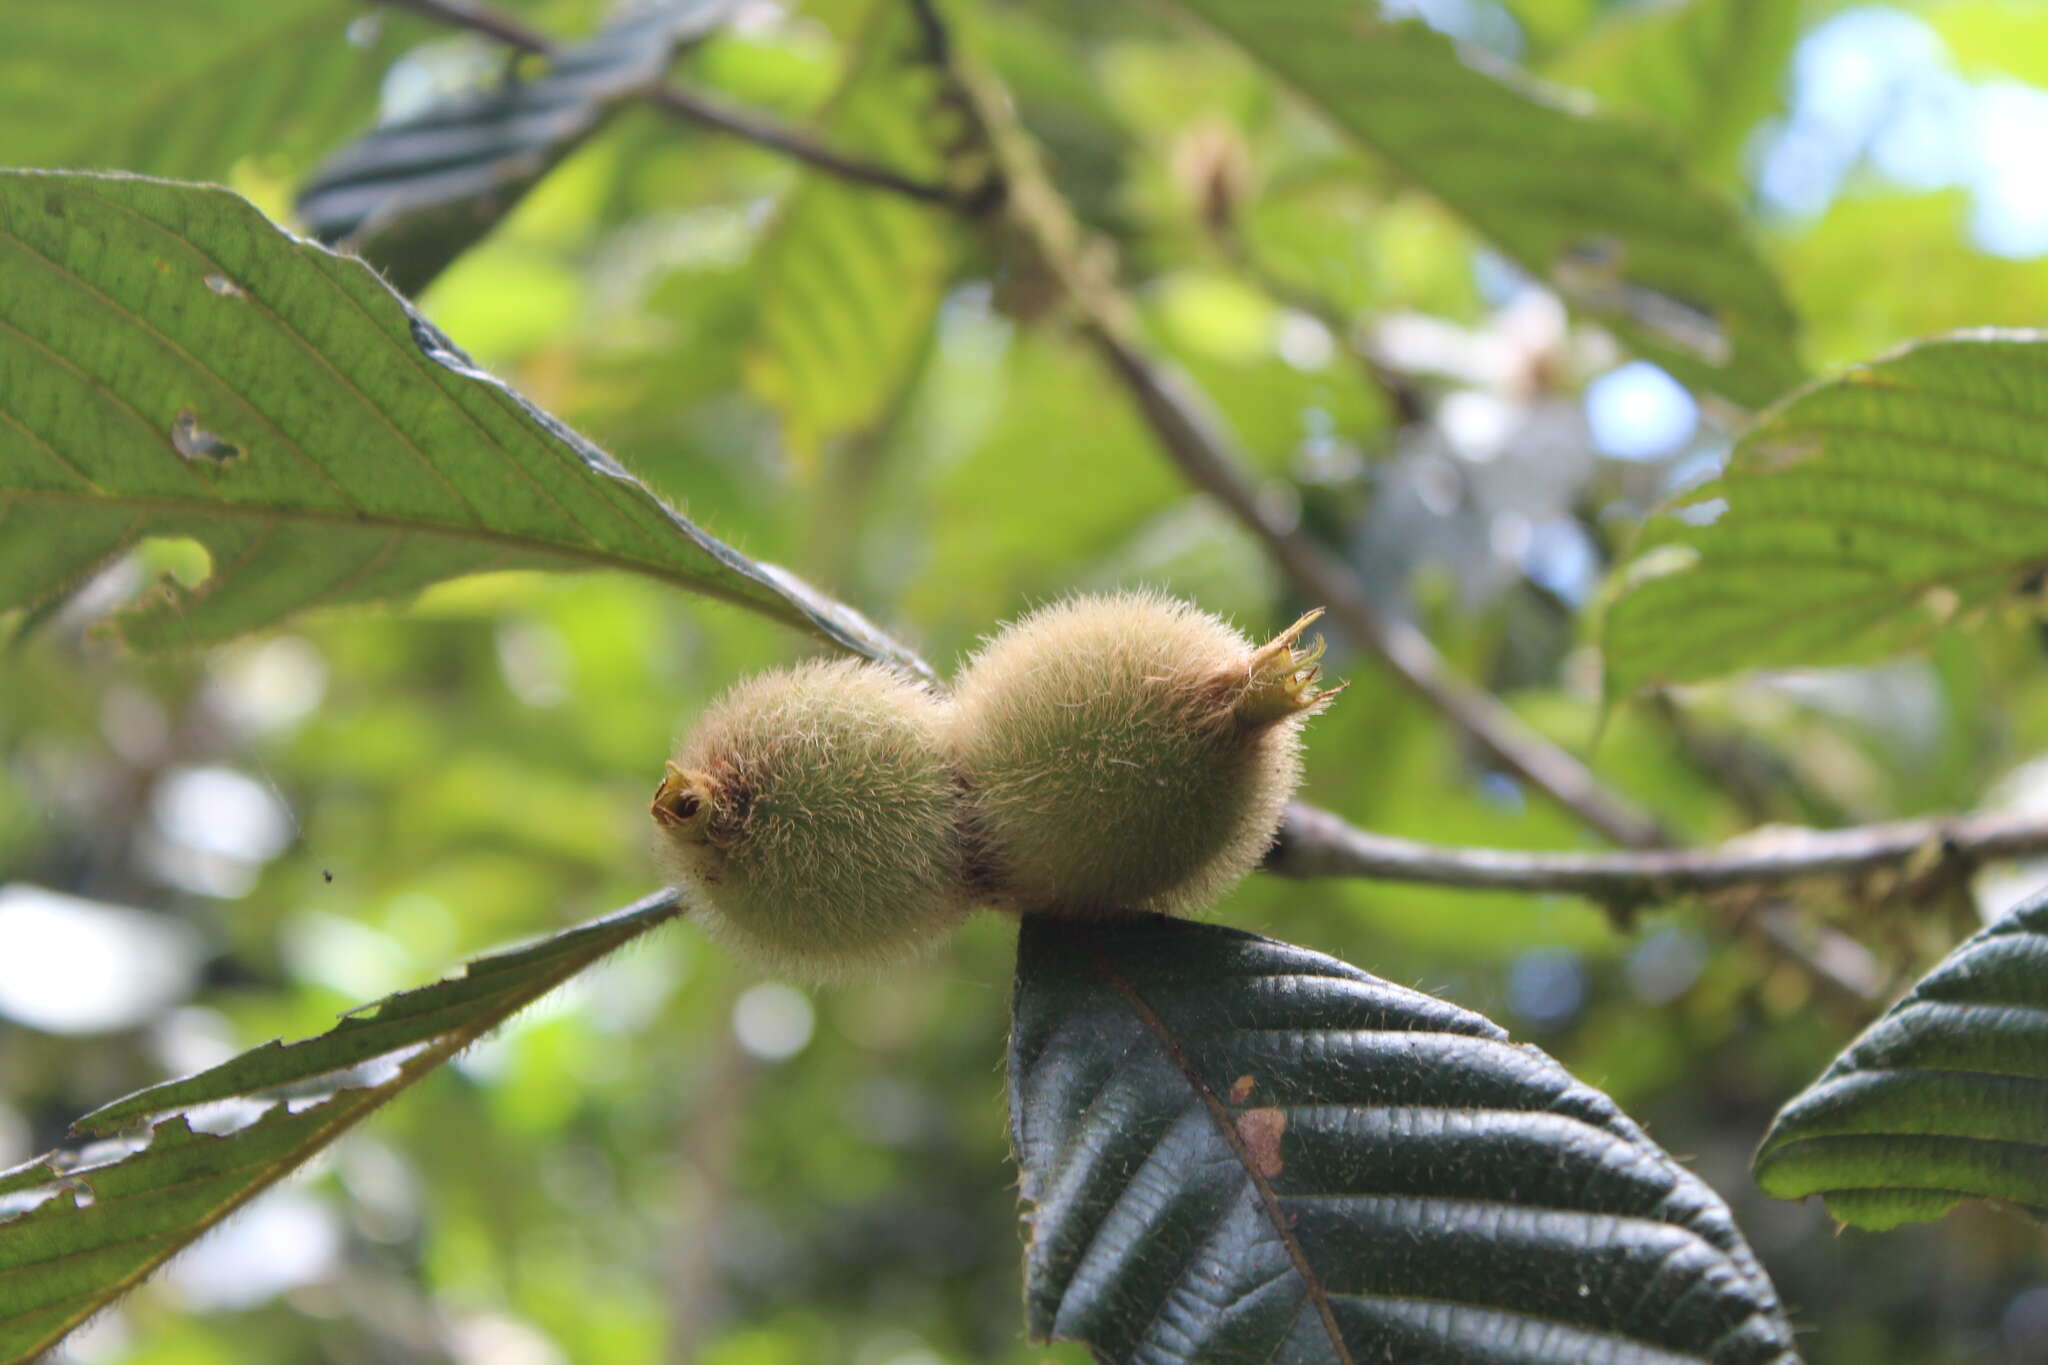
<point>73,965</point>
<point>1638,412</point>
<point>773,1021</point>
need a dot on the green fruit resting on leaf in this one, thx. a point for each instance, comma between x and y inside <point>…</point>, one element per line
<point>811,820</point>
<point>1128,752</point>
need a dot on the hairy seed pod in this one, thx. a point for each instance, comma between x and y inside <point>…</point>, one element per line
<point>1128,752</point>
<point>810,818</point>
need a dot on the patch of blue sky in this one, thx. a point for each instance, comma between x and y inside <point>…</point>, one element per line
<point>1876,88</point>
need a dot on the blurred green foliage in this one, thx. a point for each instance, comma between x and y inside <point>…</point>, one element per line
<point>629,1172</point>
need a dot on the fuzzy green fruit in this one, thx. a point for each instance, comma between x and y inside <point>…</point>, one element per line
<point>1128,752</point>
<point>810,819</point>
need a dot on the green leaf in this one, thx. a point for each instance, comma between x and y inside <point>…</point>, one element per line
<point>189,370</point>
<point>1852,522</point>
<point>1238,1150</point>
<point>1708,70</point>
<point>186,87</point>
<point>1601,208</point>
<point>850,278</point>
<point>99,1224</point>
<point>1944,1098</point>
<point>411,195</point>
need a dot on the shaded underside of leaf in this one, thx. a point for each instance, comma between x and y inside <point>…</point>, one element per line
<point>105,1222</point>
<point>1238,1150</point>
<point>165,87</point>
<point>412,194</point>
<point>1944,1098</point>
<point>1601,208</point>
<point>850,278</point>
<point>1865,513</point>
<point>171,364</point>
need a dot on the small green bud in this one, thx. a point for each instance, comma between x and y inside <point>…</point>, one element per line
<point>1128,752</point>
<point>810,819</point>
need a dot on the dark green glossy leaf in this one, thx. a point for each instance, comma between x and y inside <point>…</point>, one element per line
<point>1236,1150</point>
<point>1602,208</point>
<point>1944,1098</point>
<point>1851,522</point>
<point>412,194</point>
<point>189,370</point>
<point>87,1226</point>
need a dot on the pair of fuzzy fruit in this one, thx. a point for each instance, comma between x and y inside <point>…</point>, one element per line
<point>1103,754</point>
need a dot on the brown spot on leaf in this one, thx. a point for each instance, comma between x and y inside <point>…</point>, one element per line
<point>1259,1130</point>
<point>1772,454</point>
<point>1241,1089</point>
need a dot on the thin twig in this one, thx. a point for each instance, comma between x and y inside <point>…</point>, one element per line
<point>1315,843</point>
<point>751,127</point>
<point>687,105</point>
<point>480,19</point>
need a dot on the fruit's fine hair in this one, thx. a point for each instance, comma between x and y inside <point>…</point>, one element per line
<point>810,819</point>
<point>1128,752</point>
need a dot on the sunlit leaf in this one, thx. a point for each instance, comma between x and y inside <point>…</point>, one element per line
<point>412,194</point>
<point>1709,70</point>
<point>1864,514</point>
<point>1944,1098</point>
<point>189,370</point>
<point>1602,208</point>
<point>186,87</point>
<point>1238,1150</point>
<point>850,278</point>
<point>87,1226</point>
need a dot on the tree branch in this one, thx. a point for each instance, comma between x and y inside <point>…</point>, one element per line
<point>687,105</point>
<point>1187,431</point>
<point>1195,444</point>
<point>1315,843</point>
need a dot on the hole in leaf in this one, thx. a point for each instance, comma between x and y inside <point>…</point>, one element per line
<point>222,285</point>
<point>437,347</point>
<point>195,442</point>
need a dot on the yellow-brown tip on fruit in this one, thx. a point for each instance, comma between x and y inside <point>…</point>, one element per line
<point>1280,680</point>
<point>1128,752</point>
<point>810,819</point>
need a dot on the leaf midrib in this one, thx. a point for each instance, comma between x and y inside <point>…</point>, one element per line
<point>1269,1201</point>
<point>608,493</point>
<point>369,522</point>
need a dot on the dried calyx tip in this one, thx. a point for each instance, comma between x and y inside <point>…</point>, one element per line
<point>681,799</point>
<point>1280,680</point>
